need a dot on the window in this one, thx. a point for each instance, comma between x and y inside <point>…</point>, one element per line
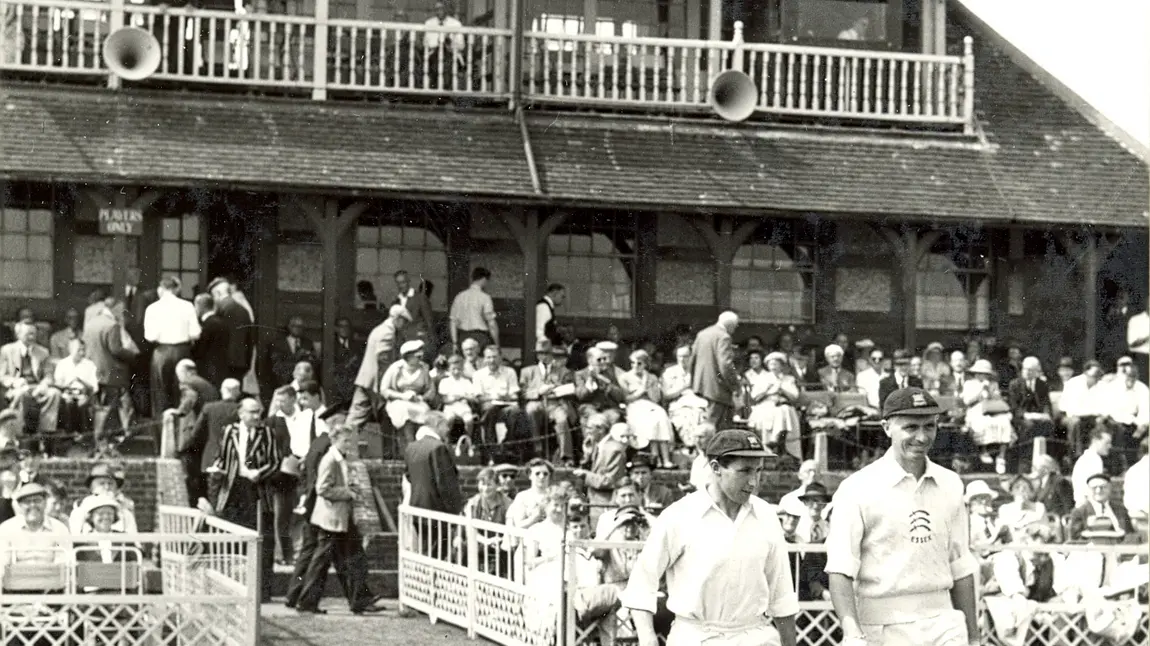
<point>840,22</point>
<point>953,286</point>
<point>384,247</point>
<point>180,251</point>
<point>26,229</point>
<point>573,26</point>
<point>595,260</point>
<point>773,276</point>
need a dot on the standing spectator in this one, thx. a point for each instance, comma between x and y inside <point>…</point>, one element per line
<point>608,465</point>
<point>171,326</point>
<point>1054,491</point>
<point>648,420</point>
<point>240,327</point>
<point>713,373</point>
<point>1127,406</point>
<point>347,353</point>
<point>407,387</point>
<point>133,312</point>
<point>900,378</point>
<point>333,516</point>
<point>834,377</point>
<point>58,342</point>
<point>380,352</point>
<point>249,455</point>
<point>26,375</point>
<point>1091,462</point>
<point>103,342</point>
<point>187,374</point>
<point>1029,398</point>
<point>416,301</point>
<point>214,418</point>
<point>545,325</point>
<point>434,482</point>
<point>288,348</point>
<point>211,350</point>
<point>473,312</point>
<point>1136,486</point>
<point>1083,398</point>
<point>538,384</point>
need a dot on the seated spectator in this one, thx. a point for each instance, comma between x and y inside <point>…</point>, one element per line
<point>544,539</point>
<point>103,481</point>
<point>954,383</point>
<point>1029,400</point>
<point>1100,504</point>
<point>686,409</point>
<point>1064,374</point>
<point>287,350</point>
<point>31,536</point>
<point>808,474</point>
<point>833,376</point>
<point>648,420</point>
<point>1081,404</point>
<point>505,475</point>
<point>701,466</point>
<point>626,500</point>
<point>1054,491</point>
<point>9,481</point>
<point>1022,578</point>
<point>1136,487</point>
<point>987,415</point>
<point>59,342</point>
<point>472,360</point>
<point>457,395</point>
<point>653,497</point>
<point>492,506</point>
<point>407,388</point>
<point>608,465</point>
<point>530,505</point>
<point>935,371</point>
<point>26,375</point>
<point>985,531</point>
<point>502,418</point>
<point>548,388</point>
<point>900,378</point>
<point>867,380</point>
<point>59,504</point>
<point>75,376</point>
<point>1023,510</point>
<point>791,511</point>
<point>597,384</point>
<point>1082,575</point>
<point>304,372</point>
<point>773,397</point>
<point>9,430</point>
<point>102,513</point>
<point>1126,401</point>
<point>1091,462</point>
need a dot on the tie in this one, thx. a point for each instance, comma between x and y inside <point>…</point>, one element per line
<point>26,366</point>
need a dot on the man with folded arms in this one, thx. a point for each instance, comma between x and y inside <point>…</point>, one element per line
<point>900,535</point>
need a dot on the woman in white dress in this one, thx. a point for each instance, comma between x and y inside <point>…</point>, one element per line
<point>773,394</point>
<point>407,386</point>
<point>987,414</point>
<point>686,409</point>
<point>647,419</point>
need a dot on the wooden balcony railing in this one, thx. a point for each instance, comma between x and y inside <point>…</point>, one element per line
<point>320,55</point>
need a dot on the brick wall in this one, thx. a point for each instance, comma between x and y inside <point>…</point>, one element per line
<point>148,482</point>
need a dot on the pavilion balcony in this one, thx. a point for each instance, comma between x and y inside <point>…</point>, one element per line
<point>57,40</point>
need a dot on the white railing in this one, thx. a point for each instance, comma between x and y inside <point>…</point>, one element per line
<point>318,54</point>
<point>475,575</point>
<point>209,595</point>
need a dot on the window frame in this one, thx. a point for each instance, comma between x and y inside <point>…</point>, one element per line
<point>182,240</point>
<point>960,249</point>
<point>786,236</point>
<point>611,226</point>
<point>383,283</point>
<point>29,199</point>
<point>784,15</point>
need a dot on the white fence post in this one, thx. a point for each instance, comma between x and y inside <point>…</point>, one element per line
<point>115,21</point>
<point>320,53</point>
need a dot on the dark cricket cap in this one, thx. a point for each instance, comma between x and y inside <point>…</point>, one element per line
<point>910,401</point>
<point>737,443</point>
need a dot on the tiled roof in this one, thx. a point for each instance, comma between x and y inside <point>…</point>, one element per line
<point>1037,160</point>
<point>165,138</point>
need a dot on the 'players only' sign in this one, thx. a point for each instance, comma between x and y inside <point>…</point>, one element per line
<point>121,222</point>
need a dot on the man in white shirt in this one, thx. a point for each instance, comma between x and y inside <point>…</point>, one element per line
<point>452,42</point>
<point>1136,488</point>
<point>724,557</point>
<point>868,380</point>
<point>473,312</point>
<point>32,536</point>
<point>545,327</point>
<point>1081,403</point>
<point>497,388</point>
<point>1090,463</point>
<point>1138,341</point>
<point>1127,404</point>
<point>172,326</point>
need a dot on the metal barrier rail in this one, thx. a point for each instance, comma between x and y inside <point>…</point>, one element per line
<point>476,575</point>
<point>95,591</point>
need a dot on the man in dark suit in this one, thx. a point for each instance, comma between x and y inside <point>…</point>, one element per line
<point>434,479</point>
<point>1099,503</point>
<point>211,350</point>
<point>103,340</point>
<point>833,376</point>
<point>1053,490</point>
<point>900,378</point>
<point>714,376</point>
<point>653,496</point>
<point>216,416</point>
<point>239,325</point>
<point>597,384</point>
<point>187,374</point>
<point>249,455</point>
<point>136,302</point>
<point>347,353</point>
<point>283,353</point>
<point>1029,399</point>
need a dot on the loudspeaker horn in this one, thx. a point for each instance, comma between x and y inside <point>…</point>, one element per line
<point>132,53</point>
<point>733,95</point>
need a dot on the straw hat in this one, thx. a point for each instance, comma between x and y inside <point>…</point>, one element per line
<point>981,367</point>
<point>92,503</point>
<point>979,488</point>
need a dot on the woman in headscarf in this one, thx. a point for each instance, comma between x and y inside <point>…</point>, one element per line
<point>648,420</point>
<point>407,387</point>
<point>773,396</point>
<point>987,414</point>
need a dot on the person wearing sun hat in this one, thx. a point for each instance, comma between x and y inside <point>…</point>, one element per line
<point>32,536</point>
<point>724,556</point>
<point>987,414</point>
<point>103,479</point>
<point>407,387</point>
<point>898,552</point>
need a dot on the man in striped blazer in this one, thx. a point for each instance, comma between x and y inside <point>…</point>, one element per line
<point>238,489</point>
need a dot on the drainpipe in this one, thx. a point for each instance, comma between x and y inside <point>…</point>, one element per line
<point>528,151</point>
<point>515,77</point>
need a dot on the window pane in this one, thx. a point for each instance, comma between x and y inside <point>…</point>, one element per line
<point>40,248</point>
<point>170,229</point>
<point>365,262</point>
<point>40,221</point>
<point>413,236</point>
<point>14,247</point>
<point>191,256</point>
<point>390,236</point>
<point>15,220</point>
<point>170,256</point>
<point>848,20</point>
<point>192,228</point>
<point>41,280</point>
<point>367,236</point>
<point>189,283</point>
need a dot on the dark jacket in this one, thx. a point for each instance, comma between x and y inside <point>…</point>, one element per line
<point>1084,512</point>
<point>433,476</point>
<point>346,368</point>
<point>1057,495</point>
<point>241,333</point>
<point>1023,400</point>
<point>279,361</point>
<point>315,453</point>
<point>211,350</point>
<point>207,392</point>
<point>888,385</point>
<point>213,419</point>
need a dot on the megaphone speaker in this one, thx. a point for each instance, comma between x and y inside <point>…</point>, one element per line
<point>733,95</point>
<point>132,53</point>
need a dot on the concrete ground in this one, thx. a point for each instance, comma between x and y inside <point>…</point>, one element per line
<point>284,627</point>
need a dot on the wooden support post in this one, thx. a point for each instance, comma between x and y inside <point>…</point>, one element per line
<point>821,452</point>
<point>723,245</point>
<point>909,245</point>
<point>1039,449</point>
<point>531,228</point>
<point>1090,295</point>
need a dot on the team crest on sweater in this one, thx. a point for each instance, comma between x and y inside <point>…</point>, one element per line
<point>920,531</point>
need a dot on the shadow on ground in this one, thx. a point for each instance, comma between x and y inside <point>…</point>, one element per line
<point>283,627</point>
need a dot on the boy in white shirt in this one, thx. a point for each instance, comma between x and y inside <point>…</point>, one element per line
<point>458,394</point>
